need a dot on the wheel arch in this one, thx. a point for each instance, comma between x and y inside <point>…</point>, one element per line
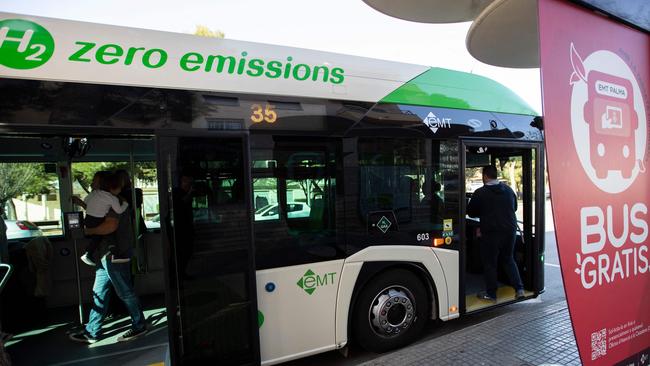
<point>362,266</point>
<point>381,272</point>
<point>370,270</point>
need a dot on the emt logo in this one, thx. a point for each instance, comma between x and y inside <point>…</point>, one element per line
<point>435,123</point>
<point>310,281</point>
<point>24,45</point>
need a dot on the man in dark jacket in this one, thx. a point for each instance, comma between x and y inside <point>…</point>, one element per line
<point>495,204</point>
<point>113,269</point>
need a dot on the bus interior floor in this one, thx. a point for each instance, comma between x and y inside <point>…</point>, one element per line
<point>49,344</point>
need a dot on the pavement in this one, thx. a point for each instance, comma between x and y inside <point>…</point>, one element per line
<point>537,334</point>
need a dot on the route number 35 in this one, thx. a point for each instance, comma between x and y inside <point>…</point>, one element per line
<point>266,114</point>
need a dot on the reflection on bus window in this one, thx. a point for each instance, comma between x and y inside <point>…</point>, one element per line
<point>265,198</point>
<point>294,191</point>
<point>308,203</point>
<point>391,172</point>
<point>29,193</point>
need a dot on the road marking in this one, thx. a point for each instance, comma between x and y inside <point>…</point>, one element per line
<point>552,265</point>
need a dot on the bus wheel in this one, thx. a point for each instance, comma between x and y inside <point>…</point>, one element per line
<point>390,312</point>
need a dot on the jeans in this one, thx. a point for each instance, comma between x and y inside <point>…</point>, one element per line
<point>498,247</point>
<point>117,275</point>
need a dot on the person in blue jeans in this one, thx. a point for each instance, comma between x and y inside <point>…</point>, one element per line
<point>114,270</point>
<point>495,205</point>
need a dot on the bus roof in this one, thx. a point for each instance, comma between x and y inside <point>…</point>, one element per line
<point>454,89</point>
<point>41,48</point>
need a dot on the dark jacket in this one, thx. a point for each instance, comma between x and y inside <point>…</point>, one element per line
<point>120,243</point>
<point>495,205</point>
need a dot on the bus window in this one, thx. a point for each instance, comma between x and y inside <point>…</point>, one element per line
<point>146,180</point>
<point>413,183</point>
<point>389,174</point>
<point>295,208</point>
<point>29,194</point>
<point>445,183</point>
<point>308,203</point>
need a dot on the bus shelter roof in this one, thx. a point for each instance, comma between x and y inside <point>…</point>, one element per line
<point>430,11</point>
<point>504,32</point>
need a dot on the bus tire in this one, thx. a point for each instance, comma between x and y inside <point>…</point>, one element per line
<point>391,311</point>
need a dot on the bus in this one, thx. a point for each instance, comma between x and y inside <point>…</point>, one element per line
<point>293,201</point>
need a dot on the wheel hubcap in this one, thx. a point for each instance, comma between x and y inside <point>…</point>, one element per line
<point>392,311</point>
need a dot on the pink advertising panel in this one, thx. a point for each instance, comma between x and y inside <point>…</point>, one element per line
<point>595,78</point>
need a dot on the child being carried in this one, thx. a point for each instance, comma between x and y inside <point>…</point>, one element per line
<point>98,203</point>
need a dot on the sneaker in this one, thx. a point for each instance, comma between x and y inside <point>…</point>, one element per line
<point>520,294</point>
<point>86,259</point>
<point>114,317</point>
<point>132,334</point>
<point>83,337</point>
<point>486,297</point>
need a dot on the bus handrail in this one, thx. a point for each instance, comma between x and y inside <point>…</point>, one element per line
<point>4,280</point>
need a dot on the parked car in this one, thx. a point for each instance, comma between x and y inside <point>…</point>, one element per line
<point>294,210</point>
<point>153,223</point>
<point>22,229</point>
<point>199,215</point>
<point>473,185</point>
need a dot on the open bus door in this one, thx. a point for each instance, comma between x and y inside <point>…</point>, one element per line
<point>520,166</point>
<point>210,263</point>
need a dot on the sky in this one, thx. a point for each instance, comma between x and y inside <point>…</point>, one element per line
<point>343,26</point>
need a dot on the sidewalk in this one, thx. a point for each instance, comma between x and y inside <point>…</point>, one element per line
<point>535,335</point>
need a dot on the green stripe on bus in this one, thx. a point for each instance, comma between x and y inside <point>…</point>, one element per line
<point>459,90</point>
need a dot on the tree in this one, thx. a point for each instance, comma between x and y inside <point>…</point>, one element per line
<point>29,179</point>
<point>204,31</point>
<point>511,171</point>
<point>83,172</point>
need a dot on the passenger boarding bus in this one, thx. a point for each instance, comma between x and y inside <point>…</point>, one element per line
<point>288,201</point>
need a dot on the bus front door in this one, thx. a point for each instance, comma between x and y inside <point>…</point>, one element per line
<point>520,166</point>
<point>210,269</point>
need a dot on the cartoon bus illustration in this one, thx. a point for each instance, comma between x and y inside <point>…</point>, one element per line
<point>612,120</point>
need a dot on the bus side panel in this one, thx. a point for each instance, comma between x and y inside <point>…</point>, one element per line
<point>449,261</point>
<point>63,276</point>
<point>298,305</point>
<point>349,277</point>
<point>399,253</point>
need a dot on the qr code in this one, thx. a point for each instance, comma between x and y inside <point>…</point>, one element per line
<point>598,344</point>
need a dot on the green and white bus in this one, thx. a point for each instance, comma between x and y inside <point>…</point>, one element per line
<point>328,191</point>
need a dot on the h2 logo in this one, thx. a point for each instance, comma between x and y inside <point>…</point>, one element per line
<point>24,45</point>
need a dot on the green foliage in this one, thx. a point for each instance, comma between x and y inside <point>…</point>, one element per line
<point>83,172</point>
<point>30,179</point>
<point>511,172</point>
<point>204,31</point>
